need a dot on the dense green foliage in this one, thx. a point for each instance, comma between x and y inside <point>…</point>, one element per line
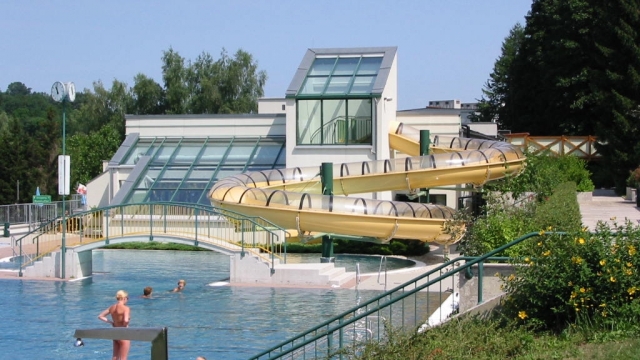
<point>574,71</point>
<point>31,123</point>
<point>584,277</point>
<point>543,173</point>
<point>395,247</point>
<point>503,223</point>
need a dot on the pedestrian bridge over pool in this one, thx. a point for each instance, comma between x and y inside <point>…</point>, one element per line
<point>40,251</point>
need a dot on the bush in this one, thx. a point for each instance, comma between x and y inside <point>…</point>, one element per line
<point>586,277</point>
<point>504,223</point>
<point>543,173</point>
<point>340,246</point>
<point>561,211</point>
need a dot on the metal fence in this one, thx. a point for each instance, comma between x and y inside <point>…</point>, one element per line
<point>37,213</point>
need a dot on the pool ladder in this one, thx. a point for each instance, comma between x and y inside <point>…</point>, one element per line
<point>383,264</point>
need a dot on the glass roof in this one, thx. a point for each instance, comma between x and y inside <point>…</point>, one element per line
<point>341,75</point>
<point>185,169</point>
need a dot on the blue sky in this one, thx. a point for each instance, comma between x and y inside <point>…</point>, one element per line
<point>446,48</point>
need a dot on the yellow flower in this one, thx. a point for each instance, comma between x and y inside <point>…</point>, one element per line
<point>581,241</point>
<point>586,228</point>
<point>540,243</point>
<point>511,277</point>
<point>582,290</point>
<point>632,290</point>
<point>541,232</point>
<point>628,272</point>
<point>573,295</point>
<point>603,305</point>
<point>612,279</point>
<point>599,273</point>
<point>632,250</point>
<point>549,228</point>
<point>603,262</point>
<point>629,264</point>
<point>547,253</point>
<point>527,260</point>
<point>576,260</point>
<point>604,314</point>
<point>570,283</point>
<point>522,315</point>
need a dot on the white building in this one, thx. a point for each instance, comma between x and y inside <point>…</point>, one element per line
<point>337,109</point>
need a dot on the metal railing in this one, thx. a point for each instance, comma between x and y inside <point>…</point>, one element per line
<point>405,307</point>
<point>199,223</point>
<point>31,213</point>
<point>343,130</point>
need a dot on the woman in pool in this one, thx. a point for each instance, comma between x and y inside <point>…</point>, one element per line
<point>120,316</point>
<point>181,285</point>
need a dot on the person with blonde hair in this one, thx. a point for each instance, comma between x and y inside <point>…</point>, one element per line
<point>120,317</point>
<point>181,285</point>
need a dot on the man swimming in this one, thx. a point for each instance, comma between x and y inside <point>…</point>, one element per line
<point>120,316</point>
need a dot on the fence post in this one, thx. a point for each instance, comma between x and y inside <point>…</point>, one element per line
<point>480,279</point>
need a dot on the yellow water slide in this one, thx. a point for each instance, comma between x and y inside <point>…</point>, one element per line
<point>292,198</point>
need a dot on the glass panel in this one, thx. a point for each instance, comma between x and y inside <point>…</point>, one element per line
<point>369,66</point>
<point>239,153</point>
<point>135,154</point>
<point>201,173</point>
<point>187,154</point>
<point>322,66</point>
<point>360,121</point>
<point>313,85</point>
<point>334,128</point>
<point>164,154</point>
<point>138,196</point>
<point>362,85</point>
<point>309,121</point>
<point>213,153</point>
<point>266,154</point>
<point>338,85</point>
<point>282,159</point>
<point>346,66</point>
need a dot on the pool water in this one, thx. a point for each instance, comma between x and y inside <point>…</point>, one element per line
<point>368,263</point>
<point>218,322</point>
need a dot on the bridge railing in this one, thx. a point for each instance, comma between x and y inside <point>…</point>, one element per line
<point>198,223</point>
<point>406,307</point>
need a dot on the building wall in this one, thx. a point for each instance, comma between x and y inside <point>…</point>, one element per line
<point>206,125</point>
<point>271,106</point>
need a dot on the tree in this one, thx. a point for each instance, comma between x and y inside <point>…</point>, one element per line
<point>87,151</point>
<point>491,106</point>
<point>148,96</point>
<point>577,73</point>
<point>230,85</point>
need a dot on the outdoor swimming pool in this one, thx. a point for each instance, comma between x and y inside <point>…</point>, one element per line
<point>225,322</point>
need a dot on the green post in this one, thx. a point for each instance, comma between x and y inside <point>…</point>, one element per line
<point>425,144</point>
<point>326,176</point>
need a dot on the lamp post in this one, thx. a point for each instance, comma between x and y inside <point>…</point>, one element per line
<point>63,92</point>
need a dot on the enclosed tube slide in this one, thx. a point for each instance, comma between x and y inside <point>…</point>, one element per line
<point>292,198</point>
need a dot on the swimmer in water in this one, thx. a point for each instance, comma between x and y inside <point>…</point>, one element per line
<point>181,285</point>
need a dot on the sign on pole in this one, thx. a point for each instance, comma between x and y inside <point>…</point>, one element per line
<point>41,199</point>
<point>64,174</point>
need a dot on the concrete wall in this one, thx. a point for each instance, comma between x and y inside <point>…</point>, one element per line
<point>200,126</point>
<point>468,288</point>
<point>271,106</point>
<point>98,191</point>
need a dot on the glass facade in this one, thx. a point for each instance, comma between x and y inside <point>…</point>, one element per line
<point>334,103</point>
<point>185,169</point>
